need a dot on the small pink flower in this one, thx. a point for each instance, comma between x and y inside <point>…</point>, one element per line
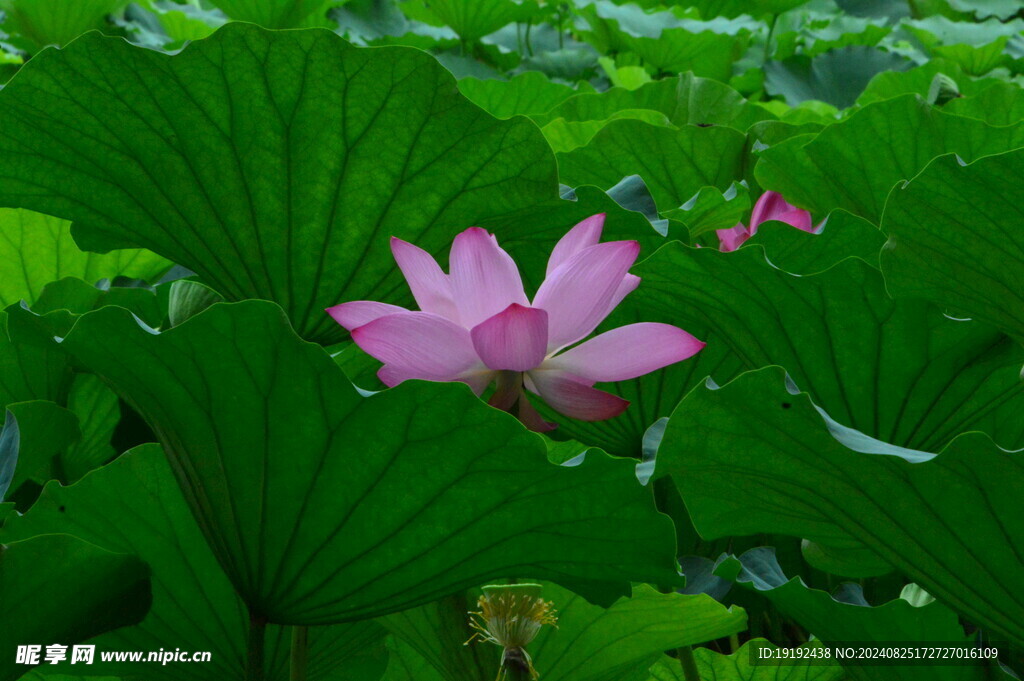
<point>476,325</point>
<point>771,206</point>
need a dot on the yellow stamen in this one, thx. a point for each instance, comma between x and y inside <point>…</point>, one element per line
<point>510,616</point>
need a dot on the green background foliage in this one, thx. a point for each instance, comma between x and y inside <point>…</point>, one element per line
<point>195,456</point>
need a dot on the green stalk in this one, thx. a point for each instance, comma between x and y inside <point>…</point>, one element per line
<point>688,663</point>
<point>515,670</point>
<point>299,654</point>
<point>768,40</point>
<point>254,649</point>
<point>734,643</point>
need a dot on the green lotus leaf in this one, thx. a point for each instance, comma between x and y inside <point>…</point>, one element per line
<point>43,431</point>
<point>591,643</point>
<point>956,238</point>
<point>291,197</point>
<point>36,249</point>
<point>843,236</point>
<point>686,100</point>
<point>38,23</point>
<point>527,94</point>
<point>904,134</point>
<point>32,365</point>
<point>1000,104</point>
<point>301,485</point>
<point>277,13</point>
<point>472,19</point>
<point>837,77</point>
<point>58,588</point>
<point>846,617</point>
<point>675,164</point>
<point>899,371</point>
<point>755,456</point>
<point>194,606</point>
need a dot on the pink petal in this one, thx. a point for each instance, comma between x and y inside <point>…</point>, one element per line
<point>572,398</point>
<point>530,418</point>
<point>515,339</point>
<point>800,219</point>
<point>578,295</point>
<point>626,286</point>
<point>417,345</point>
<point>390,375</point>
<point>627,352</point>
<point>360,312</point>
<point>771,206</point>
<point>484,277</point>
<point>732,238</point>
<point>584,235</point>
<point>429,284</point>
<point>508,390</point>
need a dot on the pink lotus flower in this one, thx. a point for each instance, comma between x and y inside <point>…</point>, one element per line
<point>476,325</point>
<point>771,206</point>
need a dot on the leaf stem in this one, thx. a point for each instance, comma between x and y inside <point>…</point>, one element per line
<point>254,649</point>
<point>768,40</point>
<point>514,669</point>
<point>688,663</point>
<point>299,653</point>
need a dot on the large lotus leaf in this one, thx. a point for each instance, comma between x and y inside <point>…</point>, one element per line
<point>617,28</point>
<point>675,164</point>
<point>889,10</point>
<point>815,34</point>
<point>290,197</point>
<point>276,13</point>
<point>740,667</point>
<point>473,19</point>
<point>609,24</point>
<point>32,366</point>
<point>59,589</point>
<point>837,77</point>
<point>60,302</point>
<point>686,100</point>
<point>735,8</point>
<point>134,506</point>
<point>44,433</point>
<point>709,210</point>
<point>846,618</point>
<point>38,23</point>
<point>98,412</point>
<point>833,169</point>
<point>36,249</point>
<point>1000,104</point>
<point>706,53</point>
<point>591,643</point>
<point>564,136</point>
<point>899,371</point>
<point>842,236</point>
<point>940,30</point>
<point>301,485</point>
<point>957,237</point>
<point>528,93</point>
<point>1001,9</point>
<point>405,664</point>
<point>434,637</point>
<point>754,457</point>
<point>918,81</point>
